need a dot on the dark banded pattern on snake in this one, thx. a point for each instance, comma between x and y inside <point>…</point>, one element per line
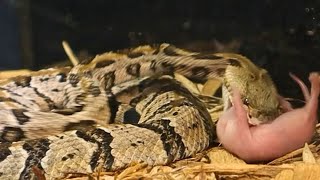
<point>173,123</point>
<point>118,145</point>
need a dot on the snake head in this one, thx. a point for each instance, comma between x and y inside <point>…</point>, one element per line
<point>256,87</point>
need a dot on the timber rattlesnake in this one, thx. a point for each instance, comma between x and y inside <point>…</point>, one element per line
<point>158,120</point>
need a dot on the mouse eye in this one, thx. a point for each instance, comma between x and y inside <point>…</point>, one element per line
<point>246,101</point>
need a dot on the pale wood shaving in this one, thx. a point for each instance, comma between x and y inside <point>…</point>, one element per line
<point>73,58</point>
<point>221,156</point>
<point>287,174</point>
<point>307,155</point>
<point>13,73</point>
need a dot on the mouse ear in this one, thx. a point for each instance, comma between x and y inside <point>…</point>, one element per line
<point>285,105</point>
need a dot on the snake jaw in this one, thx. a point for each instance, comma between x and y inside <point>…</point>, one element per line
<point>227,90</point>
<point>252,120</point>
<point>256,85</point>
<point>254,116</point>
<point>227,96</point>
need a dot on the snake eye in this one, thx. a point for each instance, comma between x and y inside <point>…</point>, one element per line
<point>252,77</point>
<point>246,102</point>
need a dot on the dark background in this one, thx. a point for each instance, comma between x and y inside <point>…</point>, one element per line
<point>281,36</point>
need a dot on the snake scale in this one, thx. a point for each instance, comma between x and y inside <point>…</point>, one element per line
<point>120,108</point>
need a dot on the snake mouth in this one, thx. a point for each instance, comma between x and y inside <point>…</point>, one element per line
<point>227,95</point>
<point>228,103</point>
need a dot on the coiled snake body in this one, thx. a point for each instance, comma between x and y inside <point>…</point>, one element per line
<point>123,108</point>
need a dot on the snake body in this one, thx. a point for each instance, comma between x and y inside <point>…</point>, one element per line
<point>118,109</point>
